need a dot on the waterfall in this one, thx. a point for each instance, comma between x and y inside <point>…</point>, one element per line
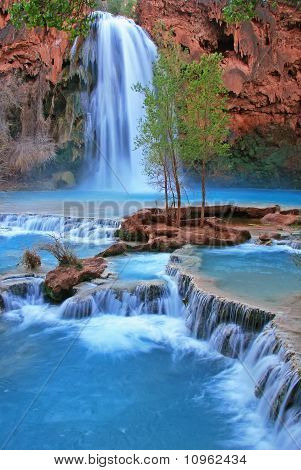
<point>248,334</point>
<point>229,325</point>
<point>83,229</point>
<point>116,55</point>
<point>277,385</point>
<point>21,291</point>
<point>126,300</point>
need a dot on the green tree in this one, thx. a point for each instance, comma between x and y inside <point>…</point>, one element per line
<point>71,16</point>
<point>204,116</point>
<point>238,11</point>
<point>159,131</point>
<point>122,7</point>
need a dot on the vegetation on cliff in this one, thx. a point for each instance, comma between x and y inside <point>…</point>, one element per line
<point>238,11</point>
<point>71,16</point>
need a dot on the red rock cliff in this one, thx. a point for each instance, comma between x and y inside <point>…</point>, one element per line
<point>262,58</point>
<point>31,50</point>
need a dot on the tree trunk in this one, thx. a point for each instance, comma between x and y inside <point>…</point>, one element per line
<point>166,189</point>
<point>178,188</point>
<point>203,193</point>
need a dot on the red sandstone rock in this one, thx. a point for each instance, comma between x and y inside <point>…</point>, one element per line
<point>114,250</point>
<point>143,226</point>
<point>31,50</point>
<point>262,68</point>
<point>60,282</point>
<point>281,219</point>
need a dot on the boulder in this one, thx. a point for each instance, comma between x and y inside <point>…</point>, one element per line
<point>116,249</point>
<point>63,179</point>
<point>280,219</point>
<point>60,282</point>
<point>147,226</point>
<point>266,237</point>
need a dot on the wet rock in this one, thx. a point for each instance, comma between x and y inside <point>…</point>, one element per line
<point>116,249</point>
<point>60,282</point>
<point>63,179</point>
<point>159,236</point>
<point>267,238</point>
<point>282,219</point>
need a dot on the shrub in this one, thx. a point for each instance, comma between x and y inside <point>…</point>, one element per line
<point>122,7</point>
<point>62,251</point>
<point>31,260</point>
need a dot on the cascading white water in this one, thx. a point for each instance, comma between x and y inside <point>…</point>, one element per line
<point>116,55</point>
<point>145,298</point>
<point>23,291</point>
<point>83,229</point>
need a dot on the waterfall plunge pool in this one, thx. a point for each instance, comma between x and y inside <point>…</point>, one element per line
<point>138,382</point>
<point>125,383</point>
<point>120,203</point>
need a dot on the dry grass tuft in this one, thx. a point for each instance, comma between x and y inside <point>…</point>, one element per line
<point>31,260</point>
<point>62,251</point>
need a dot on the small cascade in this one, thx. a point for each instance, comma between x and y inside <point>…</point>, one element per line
<point>249,334</point>
<point>117,55</point>
<point>230,339</point>
<point>277,385</point>
<point>230,326</point>
<point>82,229</point>
<point>145,298</point>
<point>17,292</point>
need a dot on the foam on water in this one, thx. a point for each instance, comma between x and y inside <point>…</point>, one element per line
<point>222,391</point>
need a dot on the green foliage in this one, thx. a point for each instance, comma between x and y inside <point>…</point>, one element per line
<point>204,116</point>
<point>205,119</point>
<point>122,7</point>
<point>159,131</point>
<point>238,11</point>
<point>271,159</point>
<point>71,16</point>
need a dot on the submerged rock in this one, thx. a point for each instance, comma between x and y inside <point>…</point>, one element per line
<point>60,282</point>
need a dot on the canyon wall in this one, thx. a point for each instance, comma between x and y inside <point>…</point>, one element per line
<point>34,67</point>
<point>262,58</point>
<point>262,71</point>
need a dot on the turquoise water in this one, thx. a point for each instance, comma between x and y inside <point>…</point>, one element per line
<point>255,272</point>
<point>124,202</point>
<point>12,248</point>
<point>140,266</point>
<point>114,382</point>
<point>119,383</point>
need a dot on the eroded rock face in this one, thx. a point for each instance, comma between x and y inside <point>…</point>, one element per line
<point>36,63</point>
<point>262,67</point>
<point>60,282</point>
<point>31,50</point>
<point>160,233</point>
